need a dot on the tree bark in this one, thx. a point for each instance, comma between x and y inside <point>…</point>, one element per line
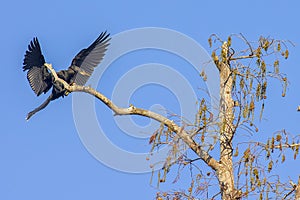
<point>297,196</point>
<point>225,173</point>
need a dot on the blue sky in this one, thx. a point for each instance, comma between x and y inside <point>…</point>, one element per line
<point>45,158</point>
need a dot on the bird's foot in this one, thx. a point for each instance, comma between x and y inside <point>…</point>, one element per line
<point>68,92</point>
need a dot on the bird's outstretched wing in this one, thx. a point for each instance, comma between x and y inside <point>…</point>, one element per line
<point>87,59</point>
<point>38,76</point>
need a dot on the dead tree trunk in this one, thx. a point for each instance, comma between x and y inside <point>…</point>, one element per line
<point>298,190</point>
<point>225,172</point>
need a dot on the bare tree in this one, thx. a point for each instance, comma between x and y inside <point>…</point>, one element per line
<point>239,169</point>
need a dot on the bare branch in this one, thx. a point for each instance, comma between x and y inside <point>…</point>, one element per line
<point>243,57</point>
<point>132,110</point>
<point>247,43</point>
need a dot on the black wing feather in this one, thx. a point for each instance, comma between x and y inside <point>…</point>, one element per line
<point>38,76</point>
<point>33,56</point>
<point>87,59</point>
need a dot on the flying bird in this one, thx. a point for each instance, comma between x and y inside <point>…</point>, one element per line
<point>81,68</point>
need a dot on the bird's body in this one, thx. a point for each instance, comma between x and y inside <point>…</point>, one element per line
<point>81,68</point>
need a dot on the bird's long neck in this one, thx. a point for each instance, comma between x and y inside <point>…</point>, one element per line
<point>42,106</point>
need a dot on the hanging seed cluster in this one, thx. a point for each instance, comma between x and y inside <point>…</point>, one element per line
<point>160,137</point>
<point>202,118</point>
<point>280,142</point>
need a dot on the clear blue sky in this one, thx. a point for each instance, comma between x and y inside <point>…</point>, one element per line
<point>45,158</point>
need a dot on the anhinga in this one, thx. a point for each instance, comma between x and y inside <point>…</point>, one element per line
<point>82,67</point>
